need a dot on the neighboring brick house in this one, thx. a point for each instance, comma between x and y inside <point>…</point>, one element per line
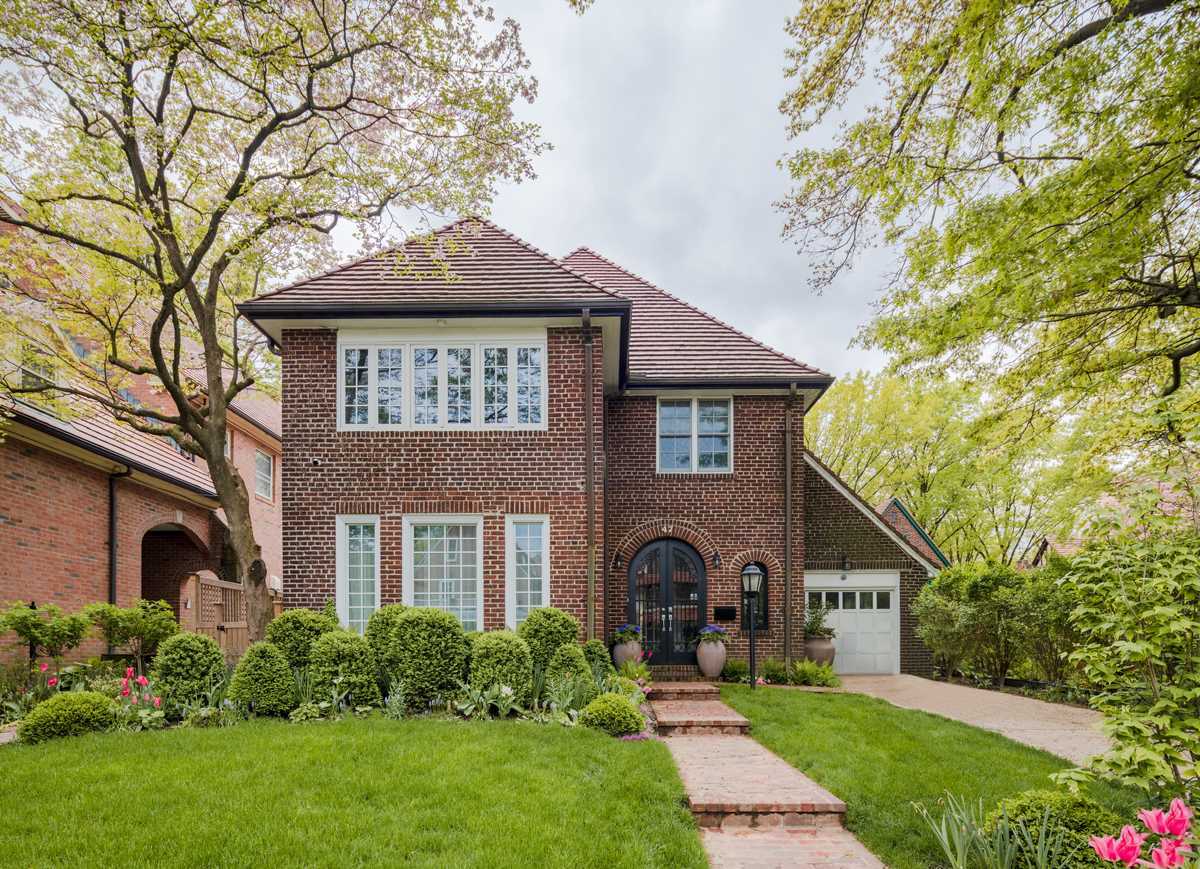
<point>471,424</point>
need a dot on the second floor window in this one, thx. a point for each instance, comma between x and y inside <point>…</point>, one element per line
<point>475,384</point>
<point>695,435</point>
<point>264,475</point>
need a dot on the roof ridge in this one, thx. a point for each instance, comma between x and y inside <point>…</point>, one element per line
<point>700,311</point>
<point>558,262</point>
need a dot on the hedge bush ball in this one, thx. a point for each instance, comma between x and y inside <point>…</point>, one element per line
<point>431,655</point>
<point>294,631</point>
<point>502,658</point>
<point>342,663</point>
<point>614,714</point>
<point>263,681</point>
<point>186,667</point>
<point>545,629</point>
<point>381,634</point>
<point>68,713</point>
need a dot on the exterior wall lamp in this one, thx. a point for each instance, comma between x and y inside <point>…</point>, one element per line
<point>845,565</point>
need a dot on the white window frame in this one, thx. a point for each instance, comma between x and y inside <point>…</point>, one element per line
<point>271,495</point>
<point>342,573</point>
<point>408,580</point>
<point>406,341</point>
<point>510,563</point>
<point>695,399</point>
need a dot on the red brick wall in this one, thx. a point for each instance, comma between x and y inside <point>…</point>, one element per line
<point>390,474</point>
<point>740,515</point>
<point>54,530</point>
<point>834,526</point>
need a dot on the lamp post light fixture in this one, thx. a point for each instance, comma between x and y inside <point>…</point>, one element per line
<point>752,577</point>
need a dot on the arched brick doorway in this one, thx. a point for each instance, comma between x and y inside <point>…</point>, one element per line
<point>170,553</point>
<point>668,598</point>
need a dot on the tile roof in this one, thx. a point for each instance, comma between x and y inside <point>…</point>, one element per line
<point>673,341</point>
<point>469,262</point>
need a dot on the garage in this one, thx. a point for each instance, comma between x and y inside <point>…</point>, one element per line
<point>864,610</point>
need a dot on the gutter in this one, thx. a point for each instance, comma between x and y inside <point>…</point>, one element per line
<point>787,527</point>
<point>589,470</point>
<point>112,531</point>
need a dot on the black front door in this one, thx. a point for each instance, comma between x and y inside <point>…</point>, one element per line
<point>667,597</point>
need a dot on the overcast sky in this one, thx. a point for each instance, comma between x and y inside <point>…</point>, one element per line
<point>666,131</point>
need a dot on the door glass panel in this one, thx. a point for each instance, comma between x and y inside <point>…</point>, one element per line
<point>883,600</point>
<point>649,612</point>
<point>831,600</point>
<point>847,600</point>
<point>684,613</point>
<point>865,600</point>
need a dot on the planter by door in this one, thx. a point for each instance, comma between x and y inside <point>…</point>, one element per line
<point>623,652</point>
<point>711,658</point>
<point>668,598</point>
<point>819,649</point>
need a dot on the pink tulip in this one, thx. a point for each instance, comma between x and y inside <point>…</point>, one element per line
<point>143,681</point>
<point>1167,856</point>
<point>133,700</point>
<point>1125,849</point>
<point>1105,848</point>
<point>157,702</point>
<point>125,691</point>
<point>51,682</point>
<point>43,666</point>
<point>1178,819</point>
<point>129,672</point>
<point>1155,820</point>
<point>125,682</point>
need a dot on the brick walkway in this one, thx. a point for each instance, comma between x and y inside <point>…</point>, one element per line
<point>754,809</point>
<point>1071,732</point>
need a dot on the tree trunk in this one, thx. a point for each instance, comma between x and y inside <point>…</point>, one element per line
<point>252,572</point>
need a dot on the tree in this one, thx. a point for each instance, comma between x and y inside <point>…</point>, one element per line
<point>165,160</point>
<point>980,486</point>
<point>1038,164</point>
<point>48,630</point>
<point>139,628</point>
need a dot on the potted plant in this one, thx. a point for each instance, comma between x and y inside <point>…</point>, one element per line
<point>710,650</point>
<point>818,636</point>
<point>627,644</point>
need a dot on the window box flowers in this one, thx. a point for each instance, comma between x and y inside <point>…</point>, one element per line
<point>627,644</point>
<point>710,650</point>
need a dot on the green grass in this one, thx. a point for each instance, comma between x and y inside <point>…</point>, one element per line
<point>880,759</point>
<point>357,792</point>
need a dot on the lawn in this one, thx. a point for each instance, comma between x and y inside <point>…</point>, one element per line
<point>357,792</point>
<point>880,759</point>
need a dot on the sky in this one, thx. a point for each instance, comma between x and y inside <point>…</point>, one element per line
<point>666,131</point>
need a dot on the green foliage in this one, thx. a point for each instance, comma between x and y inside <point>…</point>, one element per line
<point>294,631</point>
<point>68,714</point>
<point>381,634</point>
<point>598,657</point>
<point>812,674</point>
<point>431,655</point>
<point>1139,616</point>
<point>545,630</point>
<point>329,610</point>
<point>187,667</point>
<point>139,628</point>
<point>1049,635</point>
<point>814,622</point>
<point>48,628</point>
<point>343,666</point>
<point>614,714</point>
<point>263,681</point>
<point>736,670</point>
<point>774,671</point>
<point>1074,816</point>
<point>502,658</point>
<point>569,664</point>
<point>638,671</point>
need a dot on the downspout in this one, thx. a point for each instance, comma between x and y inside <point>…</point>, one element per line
<point>112,532</point>
<point>589,482</point>
<point>787,527</point>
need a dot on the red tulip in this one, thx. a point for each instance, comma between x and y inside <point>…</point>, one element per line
<point>143,681</point>
<point>51,682</point>
<point>133,699</point>
<point>125,691</point>
<point>129,672</point>
<point>43,666</point>
<point>157,702</point>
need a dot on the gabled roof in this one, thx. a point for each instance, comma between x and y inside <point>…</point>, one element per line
<point>469,263</point>
<point>672,342</point>
<point>898,516</point>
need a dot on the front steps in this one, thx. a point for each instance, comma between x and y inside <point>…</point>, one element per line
<point>683,691</point>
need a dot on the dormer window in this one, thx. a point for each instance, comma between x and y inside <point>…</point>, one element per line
<point>417,383</point>
<point>695,435</point>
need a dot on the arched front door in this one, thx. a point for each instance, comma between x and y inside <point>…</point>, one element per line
<point>668,598</point>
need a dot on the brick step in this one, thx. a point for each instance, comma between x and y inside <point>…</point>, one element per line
<point>796,848</point>
<point>693,717</point>
<point>683,691</point>
<point>676,673</point>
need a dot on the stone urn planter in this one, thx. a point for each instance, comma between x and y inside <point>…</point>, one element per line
<point>710,650</point>
<point>819,649</point>
<point>627,644</point>
<point>818,636</point>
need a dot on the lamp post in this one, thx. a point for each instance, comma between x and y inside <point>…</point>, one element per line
<point>752,577</point>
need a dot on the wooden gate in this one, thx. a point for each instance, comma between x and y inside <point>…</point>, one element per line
<point>219,610</point>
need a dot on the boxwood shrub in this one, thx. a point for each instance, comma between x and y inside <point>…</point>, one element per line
<point>68,713</point>
<point>598,656</point>
<point>502,658</point>
<point>614,714</point>
<point>381,634</point>
<point>545,629</point>
<point>431,655</point>
<point>187,666</point>
<point>294,631</point>
<point>263,681</point>
<point>342,662</point>
<point>568,662</point>
<point>1077,816</point>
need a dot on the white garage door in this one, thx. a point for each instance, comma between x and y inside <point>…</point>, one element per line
<point>865,612</point>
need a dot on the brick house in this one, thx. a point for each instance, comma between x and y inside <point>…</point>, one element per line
<point>471,424</point>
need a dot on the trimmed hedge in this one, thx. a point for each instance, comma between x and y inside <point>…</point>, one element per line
<point>614,714</point>
<point>598,656</point>
<point>347,655</point>
<point>187,667</point>
<point>68,713</point>
<point>431,655</point>
<point>569,662</point>
<point>545,629</point>
<point>502,658</point>
<point>381,634</point>
<point>294,631</point>
<point>1077,816</point>
<point>263,681</point>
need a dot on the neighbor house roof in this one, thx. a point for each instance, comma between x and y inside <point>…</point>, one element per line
<point>898,516</point>
<point>471,263</point>
<point>673,342</point>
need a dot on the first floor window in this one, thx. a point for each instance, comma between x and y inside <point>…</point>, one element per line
<point>357,570</point>
<point>527,566</point>
<point>695,435</point>
<point>443,562</point>
<point>264,475</point>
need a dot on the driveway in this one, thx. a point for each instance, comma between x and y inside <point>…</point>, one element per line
<point>1068,731</point>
